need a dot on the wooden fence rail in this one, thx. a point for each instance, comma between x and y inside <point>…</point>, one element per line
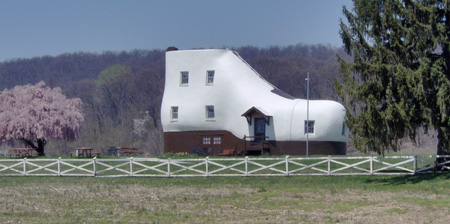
<point>215,167</point>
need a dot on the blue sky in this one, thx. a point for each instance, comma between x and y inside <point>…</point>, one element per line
<point>52,27</point>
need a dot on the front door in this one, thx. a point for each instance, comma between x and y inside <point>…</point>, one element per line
<point>260,129</point>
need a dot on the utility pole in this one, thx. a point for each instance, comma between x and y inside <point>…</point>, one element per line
<point>307,115</point>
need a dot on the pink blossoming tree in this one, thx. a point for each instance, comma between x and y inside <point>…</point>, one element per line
<point>34,113</point>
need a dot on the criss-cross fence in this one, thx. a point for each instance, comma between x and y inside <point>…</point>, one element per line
<point>214,167</point>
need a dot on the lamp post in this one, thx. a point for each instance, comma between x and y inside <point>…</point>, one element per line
<point>307,115</point>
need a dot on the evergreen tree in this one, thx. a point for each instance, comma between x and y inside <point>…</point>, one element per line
<point>399,80</point>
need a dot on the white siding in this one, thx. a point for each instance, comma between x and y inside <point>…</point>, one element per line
<point>237,88</point>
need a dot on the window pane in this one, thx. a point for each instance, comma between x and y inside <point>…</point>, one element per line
<point>217,140</point>
<point>210,78</point>
<point>184,77</point>
<point>206,140</point>
<point>309,127</point>
<point>210,112</point>
<point>174,113</point>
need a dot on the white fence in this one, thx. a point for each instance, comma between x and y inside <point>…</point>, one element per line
<point>215,167</point>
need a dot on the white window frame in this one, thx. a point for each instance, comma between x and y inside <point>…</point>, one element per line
<point>311,129</point>
<point>206,140</point>
<point>207,77</point>
<point>217,140</point>
<point>181,78</point>
<point>207,115</point>
<point>174,114</point>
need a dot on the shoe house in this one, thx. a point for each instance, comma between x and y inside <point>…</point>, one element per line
<point>215,103</point>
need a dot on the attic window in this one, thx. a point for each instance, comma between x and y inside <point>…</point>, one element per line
<point>184,78</point>
<point>209,78</point>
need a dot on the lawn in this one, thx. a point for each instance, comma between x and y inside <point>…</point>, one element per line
<point>349,199</point>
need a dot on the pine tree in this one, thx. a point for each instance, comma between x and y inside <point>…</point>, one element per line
<point>399,80</point>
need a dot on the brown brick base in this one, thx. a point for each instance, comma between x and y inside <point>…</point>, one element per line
<point>197,142</point>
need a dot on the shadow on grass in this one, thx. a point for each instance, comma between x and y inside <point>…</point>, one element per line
<point>409,179</point>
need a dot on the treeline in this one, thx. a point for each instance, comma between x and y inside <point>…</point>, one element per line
<point>122,91</point>
<point>286,68</point>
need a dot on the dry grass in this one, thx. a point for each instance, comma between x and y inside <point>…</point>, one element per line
<point>225,200</point>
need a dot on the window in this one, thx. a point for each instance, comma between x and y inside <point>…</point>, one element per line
<point>309,127</point>
<point>184,78</point>
<point>206,140</point>
<point>217,140</point>
<point>174,113</point>
<point>210,113</point>
<point>209,78</point>
<point>343,128</point>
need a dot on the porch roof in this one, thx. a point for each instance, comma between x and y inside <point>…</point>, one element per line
<point>257,112</point>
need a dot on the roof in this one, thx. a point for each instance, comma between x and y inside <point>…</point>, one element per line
<point>257,112</point>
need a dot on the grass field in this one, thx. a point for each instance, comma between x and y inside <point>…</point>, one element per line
<point>350,199</point>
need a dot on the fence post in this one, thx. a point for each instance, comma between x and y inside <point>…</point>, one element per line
<point>94,166</point>
<point>131,166</point>
<point>25,166</point>
<point>371,164</point>
<point>59,166</point>
<point>207,166</point>
<point>287,165</point>
<point>246,166</point>
<point>168,167</point>
<point>329,165</point>
<point>415,164</point>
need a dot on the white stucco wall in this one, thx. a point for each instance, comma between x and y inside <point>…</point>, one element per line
<point>237,88</point>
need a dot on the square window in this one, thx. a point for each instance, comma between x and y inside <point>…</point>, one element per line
<point>217,140</point>
<point>210,113</point>
<point>174,113</point>
<point>184,78</point>
<point>206,140</point>
<point>309,127</point>
<point>209,78</point>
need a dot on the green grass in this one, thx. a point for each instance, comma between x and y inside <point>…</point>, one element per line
<point>350,199</point>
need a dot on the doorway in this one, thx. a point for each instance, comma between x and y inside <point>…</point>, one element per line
<point>260,129</point>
